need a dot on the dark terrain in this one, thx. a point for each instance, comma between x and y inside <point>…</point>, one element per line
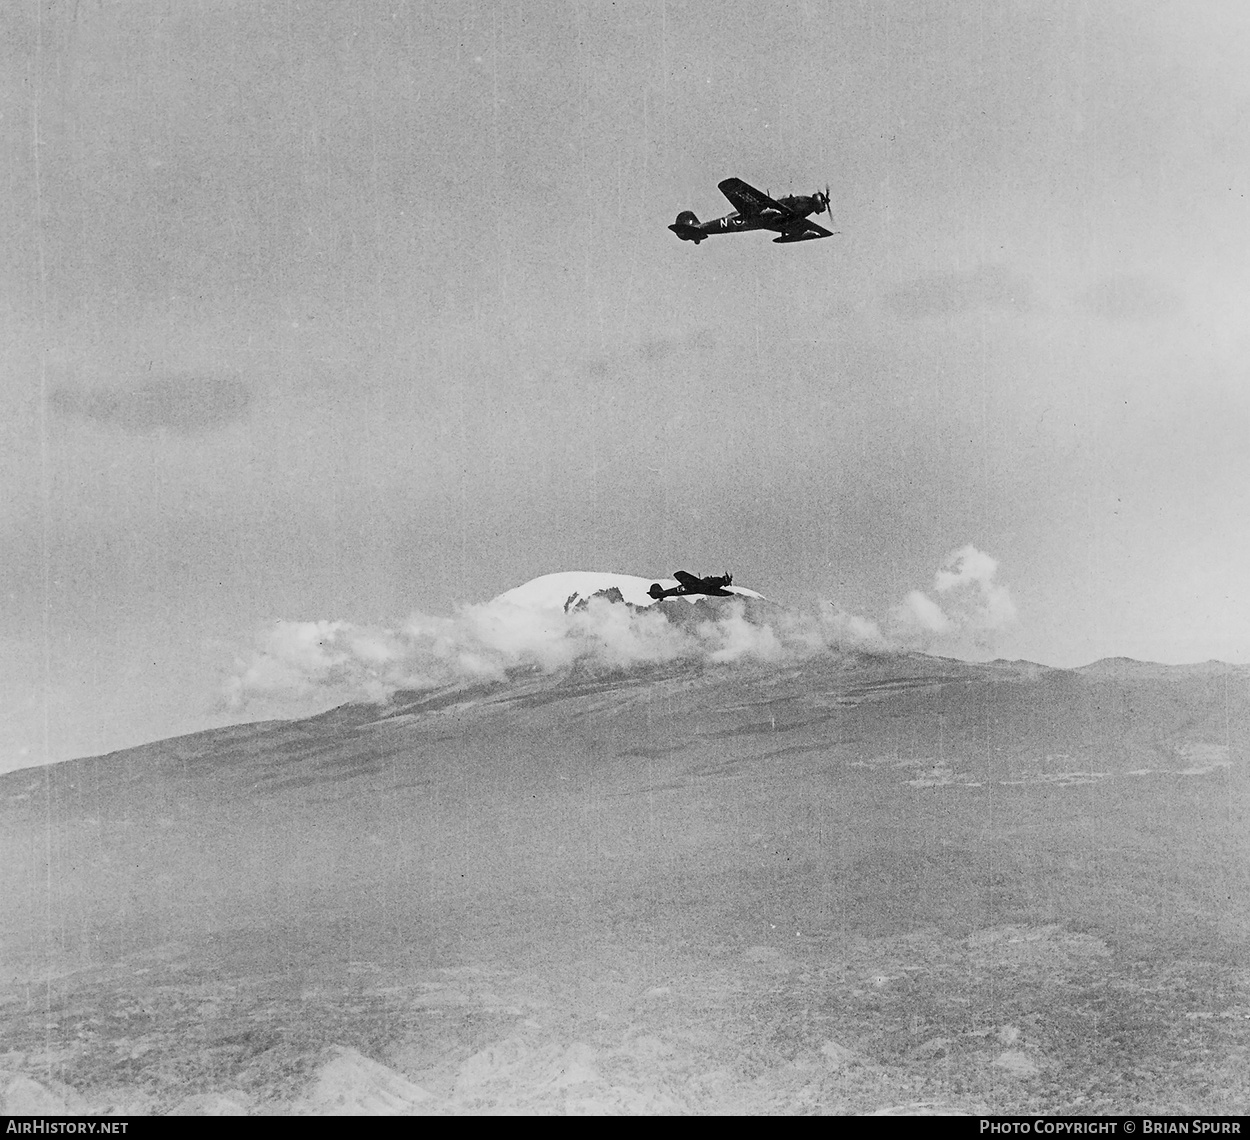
<point>861,884</point>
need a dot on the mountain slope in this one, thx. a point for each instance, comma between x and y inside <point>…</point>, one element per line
<point>841,884</point>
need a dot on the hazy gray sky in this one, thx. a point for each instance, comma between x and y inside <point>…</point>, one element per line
<point>345,310</point>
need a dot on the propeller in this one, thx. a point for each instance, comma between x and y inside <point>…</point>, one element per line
<point>828,205</point>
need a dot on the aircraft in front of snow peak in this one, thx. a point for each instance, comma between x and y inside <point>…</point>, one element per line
<point>756,211</point>
<point>688,583</point>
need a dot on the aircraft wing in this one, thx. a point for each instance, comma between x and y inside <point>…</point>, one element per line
<point>686,579</point>
<point>746,199</point>
<point>803,231</point>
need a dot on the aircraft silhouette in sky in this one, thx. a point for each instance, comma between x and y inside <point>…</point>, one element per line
<point>756,211</point>
<point>688,583</point>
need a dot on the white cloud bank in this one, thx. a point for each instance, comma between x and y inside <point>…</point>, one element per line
<point>298,665</point>
<point>318,661</point>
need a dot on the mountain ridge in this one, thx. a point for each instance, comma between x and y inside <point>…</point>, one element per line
<point>753,886</point>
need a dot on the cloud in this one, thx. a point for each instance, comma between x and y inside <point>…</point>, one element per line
<point>299,666</point>
<point>968,575</point>
<point>967,566</point>
<point>302,664</point>
<point>943,294</point>
<point>975,607</point>
<point>920,611</point>
<point>186,403</point>
<point>852,631</point>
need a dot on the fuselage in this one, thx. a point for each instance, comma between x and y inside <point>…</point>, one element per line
<point>689,228</point>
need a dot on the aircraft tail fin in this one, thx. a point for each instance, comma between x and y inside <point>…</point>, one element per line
<point>687,227</point>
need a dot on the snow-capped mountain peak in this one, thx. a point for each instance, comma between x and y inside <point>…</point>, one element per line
<point>565,589</point>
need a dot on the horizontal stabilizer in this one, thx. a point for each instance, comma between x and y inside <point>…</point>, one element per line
<point>687,233</point>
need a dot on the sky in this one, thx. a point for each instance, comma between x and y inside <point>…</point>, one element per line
<point>345,312</point>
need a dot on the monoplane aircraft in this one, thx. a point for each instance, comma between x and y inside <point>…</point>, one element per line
<point>756,211</point>
<point>688,583</point>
